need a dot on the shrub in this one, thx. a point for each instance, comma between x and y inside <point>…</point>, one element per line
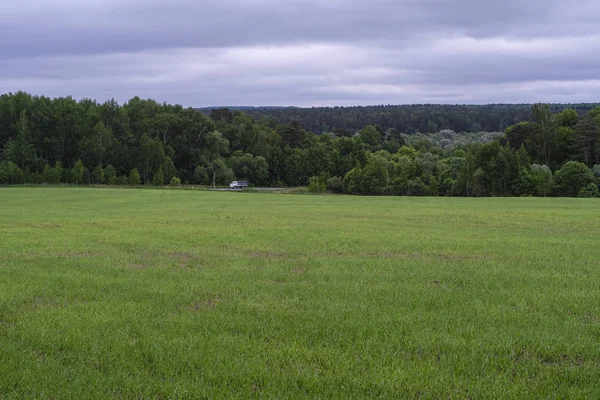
<point>572,178</point>
<point>175,181</point>
<point>159,178</point>
<point>98,175</point>
<point>596,171</point>
<point>541,177</point>
<point>416,187</point>
<point>200,176</point>
<point>110,175</point>
<point>315,185</point>
<point>52,175</point>
<point>134,177</point>
<point>35,177</point>
<point>77,173</point>
<point>87,177</point>
<point>590,190</point>
<point>11,174</point>
<point>335,184</point>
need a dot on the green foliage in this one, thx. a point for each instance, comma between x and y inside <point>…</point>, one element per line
<point>451,150</point>
<point>335,184</point>
<point>21,151</point>
<point>545,130</point>
<point>110,174</point>
<point>352,181</point>
<point>567,118</point>
<point>52,175</point>
<point>589,191</point>
<point>220,172</point>
<point>587,140</point>
<point>87,176</point>
<point>215,145</point>
<point>201,176</point>
<point>175,181</point>
<point>35,178</point>
<point>11,174</point>
<point>98,175</point>
<point>94,147</point>
<point>168,169</point>
<point>134,178</point>
<point>520,135</point>
<point>77,173</point>
<point>409,119</point>
<point>370,135</point>
<point>159,178</point>
<point>572,178</point>
<point>542,180</point>
<point>316,185</point>
<point>246,166</point>
<point>150,157</point>
<point>292,135</point>
<point>406,151</point>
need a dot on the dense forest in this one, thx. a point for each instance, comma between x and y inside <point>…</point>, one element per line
<point>507,150</point>
<point>427,118</point>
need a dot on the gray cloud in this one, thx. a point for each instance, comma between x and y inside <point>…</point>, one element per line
<point>303,52</point>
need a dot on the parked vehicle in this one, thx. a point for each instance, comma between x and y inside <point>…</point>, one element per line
<point>238,184</point>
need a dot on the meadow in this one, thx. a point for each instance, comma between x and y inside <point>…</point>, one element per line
<point>138,293</point>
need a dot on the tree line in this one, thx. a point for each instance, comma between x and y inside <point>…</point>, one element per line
<point>143,142</point>
<point>424,118</point>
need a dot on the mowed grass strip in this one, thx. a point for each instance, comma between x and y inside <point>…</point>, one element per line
<point>187,294</point>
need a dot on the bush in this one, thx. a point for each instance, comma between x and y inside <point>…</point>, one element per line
<point>572,178</point>
<point>589,191</point>
<point>35,178</point>
<point>134,177</point>
<point>416,187</point>
<point>110,174</point>
<point>335,184</point>
<point>221,172</point>
<point>541,177</point>
<point>159,178</point>
<point>11,174</point>
<point>175,181</point>
<point>52,175</point>
<point>77,173</point>
<point>98,175</point>
<point>200,176</point>
<point>315,185</point>
<point>87,177</point>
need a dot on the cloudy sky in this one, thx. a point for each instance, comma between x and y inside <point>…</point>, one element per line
<point>303,52</point>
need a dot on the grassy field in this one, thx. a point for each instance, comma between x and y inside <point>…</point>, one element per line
<point>117,293</point>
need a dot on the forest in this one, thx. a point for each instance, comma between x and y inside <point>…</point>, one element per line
<point>424,118</point>
<point>421,150</point>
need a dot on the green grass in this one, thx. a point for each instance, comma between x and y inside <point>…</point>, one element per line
<point>121,293</point>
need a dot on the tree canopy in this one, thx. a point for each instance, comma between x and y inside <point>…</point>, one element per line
<point>501,150</point>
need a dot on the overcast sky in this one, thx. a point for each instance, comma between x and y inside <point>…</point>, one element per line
<point>303,52</point>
